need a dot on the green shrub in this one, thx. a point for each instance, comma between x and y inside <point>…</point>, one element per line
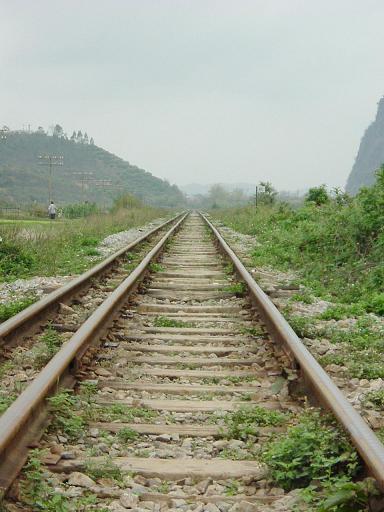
<point>314,449</point>
<point>10,309</point>
<point>73,211</point>
<point>65,409</point>
<point>337,249</point>
<point>14,260</point>
<point>245,421</point>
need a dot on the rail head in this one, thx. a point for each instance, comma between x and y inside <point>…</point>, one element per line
<point>363,438</point>
<point>29,314</point>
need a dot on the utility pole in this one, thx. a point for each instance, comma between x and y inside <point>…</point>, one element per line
<point>256,196</point>
<point>3,133</point>
<point>51,161</point>
<point>104,184</point>
<point>84,177</point>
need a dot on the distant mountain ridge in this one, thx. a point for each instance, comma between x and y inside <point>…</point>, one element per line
<point>370,155</point>
<point>23,180</point>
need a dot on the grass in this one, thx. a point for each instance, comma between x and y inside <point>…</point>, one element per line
<point>360,349</point>
<point>124,413</point>
<point>163,321</point>
<point>245,421</point>
<point>127,434</point>
<point>375,399</point>
<point>104,469</point>
<point>37,491</point>
<point>336,248</point>
<point>10,309</point>
<point>232,488</point>
<point>237,289</point>
<point>64,247</point>
<point>42,351</point>
<point>315,448</point>
<point>65,408</point>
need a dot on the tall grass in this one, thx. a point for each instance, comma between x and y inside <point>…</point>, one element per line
<point>62,247</point>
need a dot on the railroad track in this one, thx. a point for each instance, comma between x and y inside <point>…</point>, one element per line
<point>165,369</point>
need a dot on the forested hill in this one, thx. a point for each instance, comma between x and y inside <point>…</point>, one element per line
<point>23,180</point>
<point>371,154</point>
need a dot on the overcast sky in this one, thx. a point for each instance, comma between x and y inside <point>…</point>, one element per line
<point>201,90</point>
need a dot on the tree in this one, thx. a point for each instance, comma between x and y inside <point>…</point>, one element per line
<point>217,196</point>
<point>73,136</point>
<point>317,195</point>
<point>86,140</point>
<point>79,136</point>
<point>57,131</point>
<point>267,194</point>
<point>91,141</point>
<point>40,130</point>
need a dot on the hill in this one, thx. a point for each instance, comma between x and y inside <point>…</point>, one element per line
<point>370,156</point>
<point>23,180</point>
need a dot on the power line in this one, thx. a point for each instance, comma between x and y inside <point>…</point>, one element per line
<point>104,184</point>
<point>84,177</point>
<point>3,133</point>
<point>51,161</point>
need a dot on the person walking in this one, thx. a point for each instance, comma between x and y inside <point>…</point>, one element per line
<point>52,210</point>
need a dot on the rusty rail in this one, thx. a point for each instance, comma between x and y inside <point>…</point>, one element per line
<point>27,318</point>
<point>22,423</point>
<point>365,441</point>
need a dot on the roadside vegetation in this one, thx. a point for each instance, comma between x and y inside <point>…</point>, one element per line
<point>335,243</point>
<point>64,246</point>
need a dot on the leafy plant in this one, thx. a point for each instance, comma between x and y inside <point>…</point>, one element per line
<point>156,267</point>
<point>244,422</point>
<point>376,398</point>
<point>346,496</point>
<point>237,289</point>
<point>36,491</point>
<point>314,449</point>
<point>65,414</point>
<point>342,311</point>
<point>10,309</point>
<point>163,321</point>
<point>14,260</point>
<point>127,434</point>
<point>104,469</point>
<point>232,488</point>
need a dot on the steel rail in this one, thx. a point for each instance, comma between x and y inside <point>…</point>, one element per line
<point>24,320</point>
<point>329,395</point>
<point>22,423</point>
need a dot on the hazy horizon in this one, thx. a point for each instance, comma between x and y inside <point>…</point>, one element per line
<point>200,92</point>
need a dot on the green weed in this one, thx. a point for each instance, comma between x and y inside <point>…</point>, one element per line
<point>127,434</point>
<point>375,399</point>
<point>342,311</point>
<point>232,488</point>
<point>163,321</point>
<point>245,421</point>
<point>10,309</point>
<point>303,296</point>
<point>314,449</point>
<point>156,267</point>
<point>66,417</point>
<point>237,289</point>
<point>104,469</point>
